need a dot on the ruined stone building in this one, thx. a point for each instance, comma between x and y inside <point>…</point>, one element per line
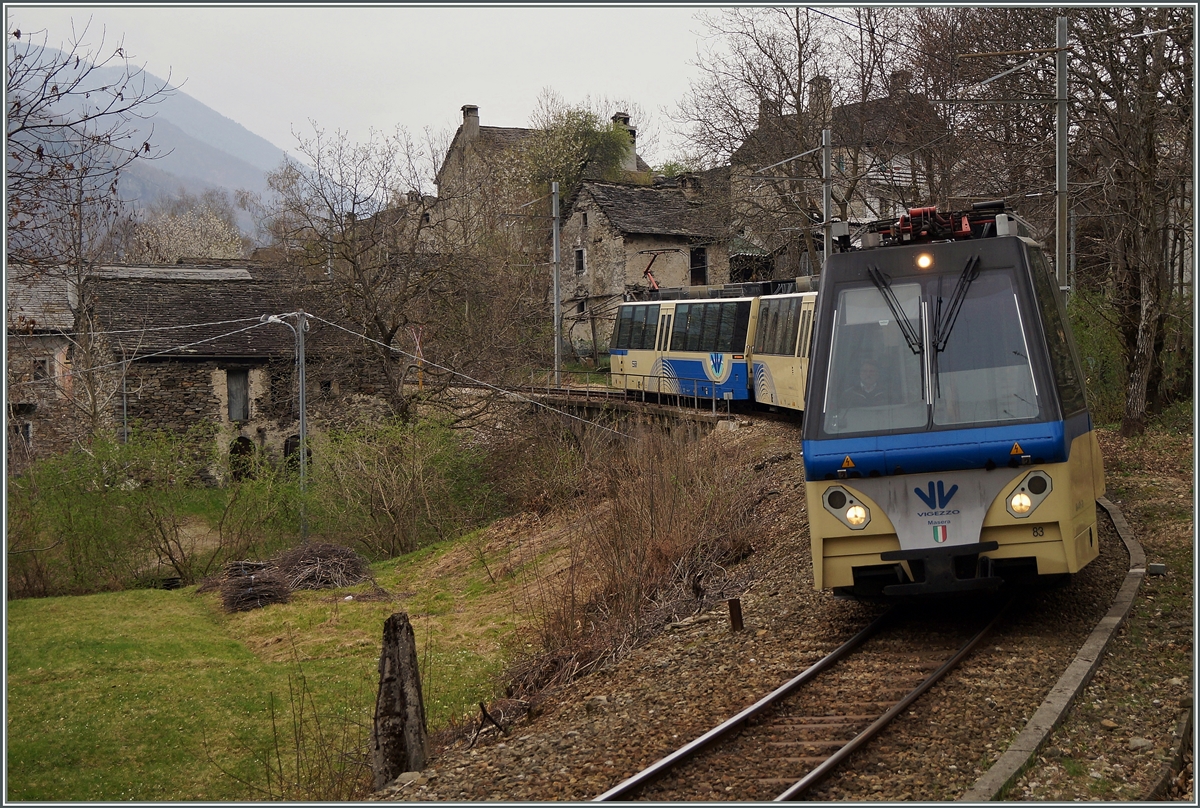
<point>40,324</point>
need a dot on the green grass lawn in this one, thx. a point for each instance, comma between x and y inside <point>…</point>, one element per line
<point>159,695</point>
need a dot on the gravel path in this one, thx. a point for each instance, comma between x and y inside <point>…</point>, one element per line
<point>592,734</point>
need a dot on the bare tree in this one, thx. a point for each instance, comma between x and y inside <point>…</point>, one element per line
<point>1130,167</point>
<point>1134,85</point>
<point>773,79</point>
<point>71,127</point>
<point>357,231</point>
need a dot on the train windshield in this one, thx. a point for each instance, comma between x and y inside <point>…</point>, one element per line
<point>927,352</point>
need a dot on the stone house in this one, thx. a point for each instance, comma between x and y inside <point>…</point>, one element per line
<point>885,159</point>
<point>621,239</point>
<point>193,350</point>
<point>40,324</point>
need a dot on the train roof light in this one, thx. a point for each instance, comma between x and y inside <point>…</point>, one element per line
<point>924,260</point>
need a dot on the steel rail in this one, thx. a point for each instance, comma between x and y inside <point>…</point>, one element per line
<point>658,768</point>
<point>830,763</point>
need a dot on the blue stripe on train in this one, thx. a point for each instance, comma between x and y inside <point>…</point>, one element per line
<point>693,380</point>
<point>1048,442</point>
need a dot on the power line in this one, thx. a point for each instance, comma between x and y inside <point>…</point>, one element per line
<point>143,330</point>
<point>125,362</point>
<point>462,375</point>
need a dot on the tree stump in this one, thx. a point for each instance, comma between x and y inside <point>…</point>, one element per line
<point>399,739</point>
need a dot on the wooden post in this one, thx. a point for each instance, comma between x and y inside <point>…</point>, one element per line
<point>735,614</point>
<point>399,739</point>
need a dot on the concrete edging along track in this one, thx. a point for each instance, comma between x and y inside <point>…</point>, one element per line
<point>1058,703</point>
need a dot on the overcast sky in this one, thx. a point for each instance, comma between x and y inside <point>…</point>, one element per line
<point>271,69</point>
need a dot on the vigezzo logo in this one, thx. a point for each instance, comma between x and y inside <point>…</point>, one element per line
<point>939,499</point>
<point>716,361</point>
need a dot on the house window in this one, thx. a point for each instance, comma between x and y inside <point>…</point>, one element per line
<point>583,306</point>
<point>238,388</point>
<point>20,433</point>
<point>579,266</point>
<point>41,369</point>
<point>699,266</point>
<point>584,215</point>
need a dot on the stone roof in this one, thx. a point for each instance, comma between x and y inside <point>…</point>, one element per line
<point>693,206</point>
<point>38,300</point>
<point>880,123</point>
<point>194,312</point>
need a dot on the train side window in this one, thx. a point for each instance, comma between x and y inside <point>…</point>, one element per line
<point>679,331</point>
<point>741,324</point>
<point>712,326</point>
<point>621,332</point>
<point>1062,354</point>
<point>666,332</point>
<point>649,338</point>
<point>805,324</point>
<point>760,333</point>
<point>786,345</point>
<point>696,318</point>
<point>772,327</point>
<point>725,333</point>
<point>638,327</point>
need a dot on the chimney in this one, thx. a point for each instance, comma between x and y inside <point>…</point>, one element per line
<point>769,109</point>
<point>898,83</point>
<point>630,161</point>
<point>470,124</point>
<point>820,100</point>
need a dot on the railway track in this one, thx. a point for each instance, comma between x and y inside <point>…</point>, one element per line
<point>788,741</point>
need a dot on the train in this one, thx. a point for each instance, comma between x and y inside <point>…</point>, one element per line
<point>947,443</point>
<point>738,342</point>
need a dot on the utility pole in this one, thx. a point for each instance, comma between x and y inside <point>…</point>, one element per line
<point>298,330</point>
<point>827,203</point>
<point>1060,137</point>
<point>557,296</point>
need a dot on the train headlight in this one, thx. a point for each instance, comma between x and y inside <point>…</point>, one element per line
<point>1029,493</point>
<point>1020,502</point>
<point>845,506</point>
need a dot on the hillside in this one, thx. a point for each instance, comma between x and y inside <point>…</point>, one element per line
<point>201,148</point>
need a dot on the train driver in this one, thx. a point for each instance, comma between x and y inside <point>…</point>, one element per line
<point>867,393</point>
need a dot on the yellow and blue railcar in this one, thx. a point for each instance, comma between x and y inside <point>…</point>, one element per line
<point>947,442</point>
<point>781,345</point>
<point>693,348</point>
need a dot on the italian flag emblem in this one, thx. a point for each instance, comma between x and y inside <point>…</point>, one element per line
<point>939,534</point>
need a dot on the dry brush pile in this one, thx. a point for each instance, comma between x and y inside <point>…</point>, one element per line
<point>246,585</point>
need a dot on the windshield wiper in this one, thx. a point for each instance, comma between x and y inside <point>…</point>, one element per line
<point>885,290</point>
<point>943,325</point>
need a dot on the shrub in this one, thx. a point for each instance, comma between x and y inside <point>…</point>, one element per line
<point>395,487</point>
<point>679,510</point>
<point>104,516</point>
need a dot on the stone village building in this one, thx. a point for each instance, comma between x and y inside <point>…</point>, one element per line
<point>171,347</point>
<point>712,227</point>
<point>884,160</point>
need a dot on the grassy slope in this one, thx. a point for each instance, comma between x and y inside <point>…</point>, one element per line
<point>139,695</point>
<point>116,696</point>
